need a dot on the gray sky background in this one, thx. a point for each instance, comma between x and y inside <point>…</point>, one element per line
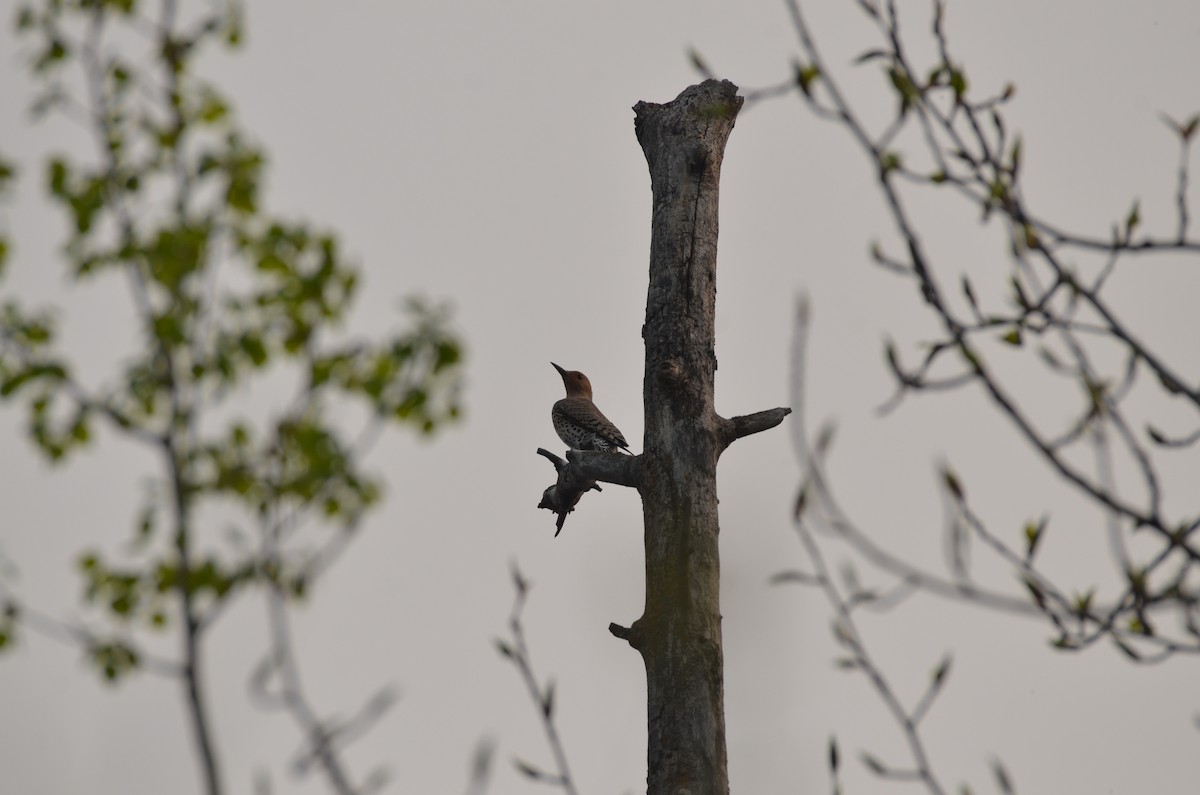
<point>484,153</point>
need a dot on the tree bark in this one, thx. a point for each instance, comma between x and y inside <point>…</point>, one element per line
<point>679,633</point>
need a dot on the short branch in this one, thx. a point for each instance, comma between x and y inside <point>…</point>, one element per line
<point>634,635</point>
<point>578,475</point>
<point>623,470</point>
<point>736,428</point>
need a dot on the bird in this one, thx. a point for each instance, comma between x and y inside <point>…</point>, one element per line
<point>578,422</point>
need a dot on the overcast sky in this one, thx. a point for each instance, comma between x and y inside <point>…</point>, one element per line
<point>484,154</point>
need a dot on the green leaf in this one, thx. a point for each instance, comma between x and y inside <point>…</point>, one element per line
<point>908,92</point>
<point>243,168</point>
<point>1137,577</point>
<point>14,382</point>
<point>114,659</point>
<point>958,82</point>
<point>252,346</point>
<point>939,674</point>
<point>7,172</point>
<point>53,56</point>
<point>1013,337</point>
<point>1033,536</point>
<point>950,480</point>
<point>57,177</point>
<point>169,331</point>
<point>999,189</point>
<point>1139,626</point>
<point>8,624</point>
<point>176,254</point>
<point>1133,219</point>
<point>79,429</point>
<point>25,18</point>
<point>1032,241</point>
<point>1083,603</point>
<point>805,74</point>
<point>272,263</point>
<point>233,25</point>
<point>212,108</point>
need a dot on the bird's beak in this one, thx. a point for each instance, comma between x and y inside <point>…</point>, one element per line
<point>560,370</point>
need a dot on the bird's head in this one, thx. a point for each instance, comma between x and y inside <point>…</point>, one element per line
<point>577,383</point>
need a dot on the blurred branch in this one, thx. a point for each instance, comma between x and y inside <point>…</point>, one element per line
<point>17,612</point>
<point>820,494</point>
<point>514,650</point>
<point>481,767</point>
<point>847,634</point>
<point>1056,307</point>
<point>277,684</point>
<point>816,505</point>
<point>171,201</point>
<point>1073,323</point>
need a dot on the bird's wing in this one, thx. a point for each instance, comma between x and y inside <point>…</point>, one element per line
<point>583,412</point>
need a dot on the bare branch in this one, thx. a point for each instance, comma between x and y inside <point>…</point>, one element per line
<point>737,427</point>
<point>515,650</point>
<point>1066,318</point>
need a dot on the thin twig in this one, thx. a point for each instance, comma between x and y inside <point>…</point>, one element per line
<point>516,651</point>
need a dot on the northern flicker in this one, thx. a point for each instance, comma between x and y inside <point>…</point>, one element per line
<point>578,422</point>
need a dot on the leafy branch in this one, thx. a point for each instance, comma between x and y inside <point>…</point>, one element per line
<point>224,296</point>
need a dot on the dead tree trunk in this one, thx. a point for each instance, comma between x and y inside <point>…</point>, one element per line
<point>679,633</point>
